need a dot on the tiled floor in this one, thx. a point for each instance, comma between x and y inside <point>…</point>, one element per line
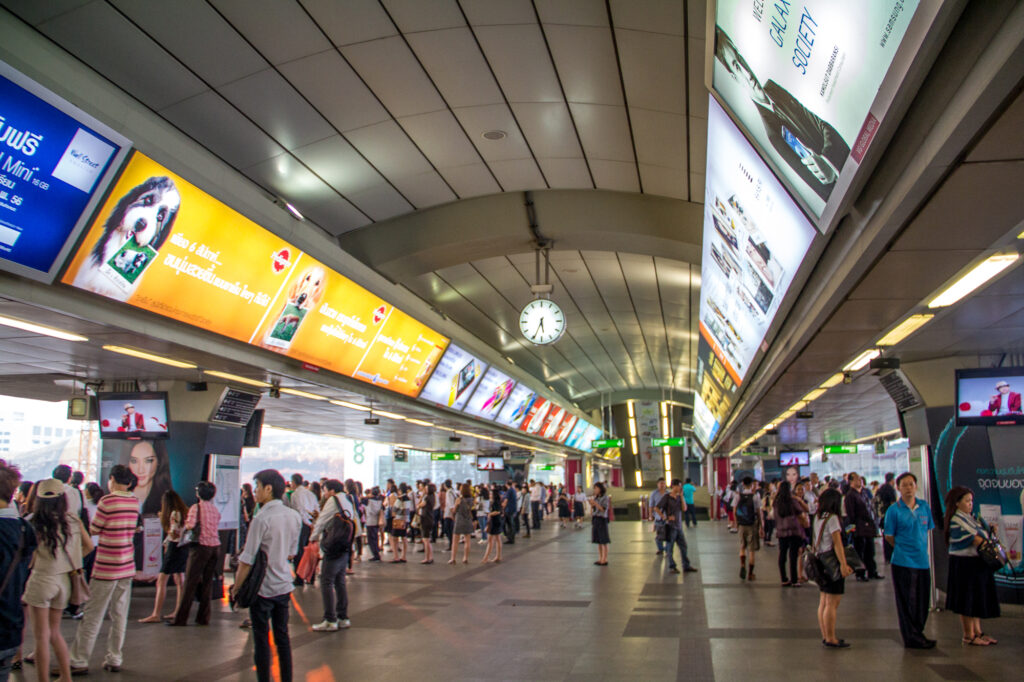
<point>547,613</point>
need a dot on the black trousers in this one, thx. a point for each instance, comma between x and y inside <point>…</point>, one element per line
<point>263,613</point>
<point>199,572</point>
<point>911,586</point>
<point>448,526</point>
<point>373,538</point>
<point>789,549</point>
<point>535,513</point>
<point>866,550</point>
<point>511,521</point>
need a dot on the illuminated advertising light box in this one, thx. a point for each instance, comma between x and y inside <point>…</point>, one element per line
<point>755,238</point>
<point>812,82</point>
<point>553,421</point>
<point>794,458</point>
<point>490,395</point>
<point>989,397</point>
<point>589,436</point>
<point>516,407</point>
<point>55,163</point>
<point>705,426</point>
<point>453,381</point>
<point>536,415</point>
<point>573,439</point>
<point>161,244</point>
<point>569,421</point>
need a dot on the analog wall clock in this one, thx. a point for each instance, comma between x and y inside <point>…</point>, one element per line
<point>542,321</point>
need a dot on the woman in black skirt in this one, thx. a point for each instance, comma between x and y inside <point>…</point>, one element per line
<point>172,517</point>
<point>971,589</point>
<point>600,503</point>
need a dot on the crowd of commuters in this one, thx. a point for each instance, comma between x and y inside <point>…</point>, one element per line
<point>841,520</point>
<point>70,552</point>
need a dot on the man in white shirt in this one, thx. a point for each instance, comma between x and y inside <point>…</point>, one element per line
<point>536,497</point>
<point>305,503</point>
<point>450,499</point>
<point>62,472</point>
<point>274,530</point>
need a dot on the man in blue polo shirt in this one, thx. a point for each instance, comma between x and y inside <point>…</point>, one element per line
<point>691,512</point>
<point>907,524</point>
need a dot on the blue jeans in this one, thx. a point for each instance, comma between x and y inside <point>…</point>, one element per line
<point>332,588</point>
<point>690,515</point>
<point>6,659</point>
<point>264,612</point>
<point>676,537</point>
<point>482,520</point>
<point>657,540</point>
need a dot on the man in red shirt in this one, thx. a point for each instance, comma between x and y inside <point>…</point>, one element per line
<point>132,420</point>
<point>1004,401</point>
<point>115,522</point>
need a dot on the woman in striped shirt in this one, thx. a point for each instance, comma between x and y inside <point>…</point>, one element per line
<point>971,589</point>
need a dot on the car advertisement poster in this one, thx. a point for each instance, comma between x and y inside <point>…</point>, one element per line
<point>161,244</point>
<point>453,381</point>
<point>490,395</point>
<point>55,162</point>
<point>803,80</point>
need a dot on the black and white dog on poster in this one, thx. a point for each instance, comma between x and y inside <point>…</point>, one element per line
<point>133,234</point>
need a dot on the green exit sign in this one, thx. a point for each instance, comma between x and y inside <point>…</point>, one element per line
<point>668,442</point>
<point>840,449</point>
<point>608,443</point>
<point>445,456</point>
<point>546,467</point>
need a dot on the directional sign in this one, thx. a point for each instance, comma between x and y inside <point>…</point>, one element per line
<point>445,456</point>
<point>608,443</point>
<point>676,442</point>
<point>401,455</point>
<point>545,467</point>
<point>840,449</point>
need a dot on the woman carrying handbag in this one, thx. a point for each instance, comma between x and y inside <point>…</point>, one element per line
<point>971,589</point>
<point>56,577</point>
<point>828,551</point>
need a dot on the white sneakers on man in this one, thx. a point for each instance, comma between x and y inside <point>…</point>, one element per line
<point>328,626</point>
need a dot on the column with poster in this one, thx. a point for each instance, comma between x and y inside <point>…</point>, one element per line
<point>224,473</point>
<point>648,426</point>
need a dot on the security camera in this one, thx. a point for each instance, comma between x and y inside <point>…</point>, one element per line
<point>847,377</point>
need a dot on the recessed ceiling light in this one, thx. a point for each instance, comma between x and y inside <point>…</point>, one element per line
<point>294,211</point>
<point>495,135</point>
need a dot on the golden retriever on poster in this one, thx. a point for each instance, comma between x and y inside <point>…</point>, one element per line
<point>304,294</point>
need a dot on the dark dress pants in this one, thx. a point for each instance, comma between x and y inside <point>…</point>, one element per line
<point>866,550</point>
<point>199,572</point>
<point>303,541</point>
<point>264,614</point>
<point>911,586</point>
<point>535,513</point>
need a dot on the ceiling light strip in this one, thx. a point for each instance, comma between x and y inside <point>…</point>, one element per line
<point>143,355</point>
<point>234,377</point>
<point>974,279</point>
<point>905,329</point>
<point>40,329</point>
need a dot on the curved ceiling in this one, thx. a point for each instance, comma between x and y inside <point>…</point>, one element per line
<point>363,110</point>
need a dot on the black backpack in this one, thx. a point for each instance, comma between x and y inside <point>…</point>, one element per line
<point>745,510</point>
<point>338,535</point>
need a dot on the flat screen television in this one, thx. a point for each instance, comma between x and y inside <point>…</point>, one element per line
<point>989,397</point>
<point>490,463</point>
<point>794,458</point>
<point>133,415</point>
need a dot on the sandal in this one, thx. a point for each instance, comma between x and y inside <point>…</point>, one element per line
<point>977,641</point>
<point>150,619</point>
<point>990,640</point>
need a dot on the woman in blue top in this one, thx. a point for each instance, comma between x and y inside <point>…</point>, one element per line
<point>971,590</point>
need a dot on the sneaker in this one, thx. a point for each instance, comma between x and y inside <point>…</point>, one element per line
<point>326,626</point>
<point>673,569</point>
<point>344,624</point>
<point>481,542</point>
<point>689,569</point>
<point>743,572</point>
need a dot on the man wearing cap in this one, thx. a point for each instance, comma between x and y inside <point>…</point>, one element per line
<point>1004,401</point>
<point>131,415</point>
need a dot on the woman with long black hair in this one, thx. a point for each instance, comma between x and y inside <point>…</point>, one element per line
<point>828,537</point>
<point>425,509</point>
<point>790,521</point>
<point>971,588</point>
<point>62,543</point>
<point>172,518</point>
<point>599,504</point>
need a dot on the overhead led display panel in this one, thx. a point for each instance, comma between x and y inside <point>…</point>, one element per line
<point>536,415</point>
<point>812,82</point>
<point>490,395</point>
<point>554,419</point>
<point>453,381</point>
<point>55,163</point>
<point>569,421</point>
<point>161,244</point>
<point>755,239</point>
<point>517,406</point>
<point>573,439</point>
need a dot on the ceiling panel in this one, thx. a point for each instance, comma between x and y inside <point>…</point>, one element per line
<point>585,62</point>
<point>478,120</point>
<point>269,100</point>
<point>654,16</point>
<point>424,189</point>
<point>518,174</point>
<point>666,182</point>
<point>604,132</point>
<point>441,138</point>
<point>488,12</point>
<point>566,173</point>
<point>392,72</point>
<point>471,180</point>
<point>217,125</point>
<point>914,274</point>
<point>100,36</point>
<point>352,21</point>
<point>457,67</point>
<point>520,60</point>
<point>340,165</point>
<point>580,12</point>
<point>389,149</point>
<point>197,35</point>
<point>330,84</point>
<point>261,22</point>
<point>549,129</point>
<point>660,138</point>
<point>615,175</point>
<point>416,15</point>
<point>653,70</point>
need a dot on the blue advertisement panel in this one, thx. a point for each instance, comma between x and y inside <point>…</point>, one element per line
<point>55,162</point>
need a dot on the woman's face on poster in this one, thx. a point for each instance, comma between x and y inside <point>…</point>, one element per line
<point>143,463</point>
